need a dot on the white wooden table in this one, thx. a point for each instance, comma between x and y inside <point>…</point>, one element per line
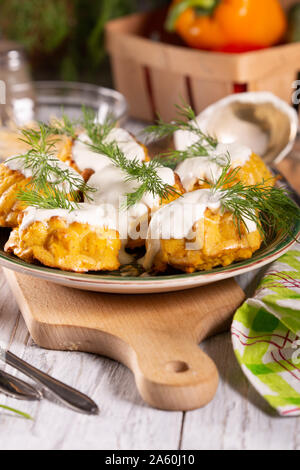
<point>238,418</point>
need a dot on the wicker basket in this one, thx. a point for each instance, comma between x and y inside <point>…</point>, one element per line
<point>153,74</point>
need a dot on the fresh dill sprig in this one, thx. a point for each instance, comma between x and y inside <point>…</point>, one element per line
<point>150,182</point>
<point>70,127</point>
<point>48,199</point>
<point>186,121</point>
<point>227,177</point>
<point>143,173</point>
<point>40,138</point>
<point>63,126</point>
<point>95,130</point>
<point>51,185</point>
<point>173,158</point>
<point>268,206</point>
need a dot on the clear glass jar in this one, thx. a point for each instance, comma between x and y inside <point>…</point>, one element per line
<point>16,89</point>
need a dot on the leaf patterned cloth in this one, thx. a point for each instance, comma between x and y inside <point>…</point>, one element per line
<point>266,335</point>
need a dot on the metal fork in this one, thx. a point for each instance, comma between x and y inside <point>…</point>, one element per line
<point>68,395</point>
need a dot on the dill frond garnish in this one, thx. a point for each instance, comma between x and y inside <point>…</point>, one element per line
<point>268,206</point>
<point>96,131</point>
<point>63,126</point>
<point>144,174</point>
<point>71,127</point>
<point>173,158</point>
<point>51,185</point>
<point>47,198</point>
<point>186,121</point>
<point>41,161</point>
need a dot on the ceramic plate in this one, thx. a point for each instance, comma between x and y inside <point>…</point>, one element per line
<point>50,96</point>
<point>115,283</point>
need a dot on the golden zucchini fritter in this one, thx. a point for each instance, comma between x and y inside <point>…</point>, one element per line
<point>11,144</point>
<point>75,247</point>
<point>11,182</point>
<point>221,246</point>
<point>63,148</point>
<point>253,172</point>
<point>140,242</point>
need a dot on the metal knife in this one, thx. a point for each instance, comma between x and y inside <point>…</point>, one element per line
<point>16,388</point>
<point>68,395</point>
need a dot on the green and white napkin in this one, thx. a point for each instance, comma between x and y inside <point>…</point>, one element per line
<point>266,335</point>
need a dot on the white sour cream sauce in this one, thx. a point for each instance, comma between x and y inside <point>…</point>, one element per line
<point>95,216</point>
<point>177,220</point>
<point>112,187</point>
<point>85,158</point>
<point>195,169</point>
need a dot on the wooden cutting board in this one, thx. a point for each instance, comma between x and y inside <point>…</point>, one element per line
<point>156,335</point>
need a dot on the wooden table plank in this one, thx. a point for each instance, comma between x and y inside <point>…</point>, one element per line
<point>124,422</point>
<point>238,418</point>
<point>9,312</point>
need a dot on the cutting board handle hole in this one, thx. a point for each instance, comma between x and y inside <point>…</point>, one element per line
<point>177,367</point>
